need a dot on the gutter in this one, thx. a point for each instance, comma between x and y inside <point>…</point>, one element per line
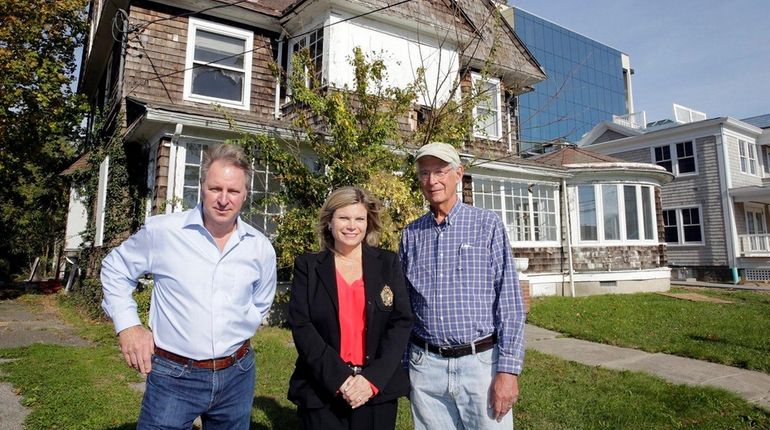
<point>568,224</point>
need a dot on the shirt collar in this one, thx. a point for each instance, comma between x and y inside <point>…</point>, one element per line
<point>195,218</point>
<point>450,217</point>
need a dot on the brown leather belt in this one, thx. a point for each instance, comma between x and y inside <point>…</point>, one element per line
<point>456,351</point>
<point>213,364</point>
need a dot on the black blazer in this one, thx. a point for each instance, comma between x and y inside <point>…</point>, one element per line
<point>314,322</point>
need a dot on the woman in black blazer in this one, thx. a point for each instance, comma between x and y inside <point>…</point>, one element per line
<point>351,320</point>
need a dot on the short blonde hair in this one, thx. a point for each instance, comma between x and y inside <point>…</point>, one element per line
<point>347,196</point>
<point>228,154</point>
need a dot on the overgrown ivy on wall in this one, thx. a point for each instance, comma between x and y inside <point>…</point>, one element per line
<point>125,201</point>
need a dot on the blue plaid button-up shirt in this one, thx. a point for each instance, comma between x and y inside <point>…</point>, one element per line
<point>462,282</point>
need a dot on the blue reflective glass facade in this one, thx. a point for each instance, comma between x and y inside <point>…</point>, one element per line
<point>585,82</point>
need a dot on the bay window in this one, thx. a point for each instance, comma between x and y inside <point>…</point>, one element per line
<point>615,212</point>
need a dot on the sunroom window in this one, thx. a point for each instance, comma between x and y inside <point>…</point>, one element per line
<point>615,213</point>
<point>528,211</point>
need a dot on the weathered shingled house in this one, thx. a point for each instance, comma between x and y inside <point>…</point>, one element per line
<point>158,68</point>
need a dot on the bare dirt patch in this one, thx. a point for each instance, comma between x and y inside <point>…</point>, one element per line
<point>695,297</point>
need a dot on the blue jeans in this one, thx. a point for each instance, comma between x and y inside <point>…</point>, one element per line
<point>176,394</point>
<point>453,393</point>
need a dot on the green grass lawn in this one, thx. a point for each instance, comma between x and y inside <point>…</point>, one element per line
<point>88,388</point>
<point>736,334</point>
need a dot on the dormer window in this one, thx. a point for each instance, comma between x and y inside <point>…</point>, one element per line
<point>487,114</point>
<point>218,64</point>
<point>313,41</point>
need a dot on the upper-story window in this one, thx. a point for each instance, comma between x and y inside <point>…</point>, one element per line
<point>615,212</point>
<point>748,152</point>
<point>487,112</point>
<point>218,64</point>
<point>677,158</point>
<point>529,211</point>
<point>313,41</point>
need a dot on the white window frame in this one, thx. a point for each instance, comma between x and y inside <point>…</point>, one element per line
<point>747,162</point>
<point>476,77</point>
<point>499,194</point>
<point>179,166</point>
<point>248,38</point>
<point>752,214</point>
<point>675,157</point>
<point>305,40</point>
<point>680,226</point>
<point>599,202</point>
<point>101,200</point>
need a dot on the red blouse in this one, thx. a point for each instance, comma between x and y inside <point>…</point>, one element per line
<point>352,317</point>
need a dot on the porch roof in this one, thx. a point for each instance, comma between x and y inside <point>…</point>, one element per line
<point>753,193</point>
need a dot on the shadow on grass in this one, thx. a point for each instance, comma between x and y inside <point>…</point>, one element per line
<point>131,426</point>
<point>280,416</point>
<point>15,290</point>
<point>727,342</point>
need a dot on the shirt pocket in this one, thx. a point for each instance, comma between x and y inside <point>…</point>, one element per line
<point>473,265</point>
<point>237,289</point>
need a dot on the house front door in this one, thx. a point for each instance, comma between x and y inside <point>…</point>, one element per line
<point>756,227</point>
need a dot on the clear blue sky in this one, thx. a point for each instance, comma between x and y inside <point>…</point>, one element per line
<point>712,56</point>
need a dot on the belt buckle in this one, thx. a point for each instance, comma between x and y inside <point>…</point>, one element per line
<point>356,369</point>
<point>445,351</point>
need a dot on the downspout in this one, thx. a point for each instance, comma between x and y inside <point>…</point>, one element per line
<point>511,112</point>
<point>568,224</point>
<point>277,107</point>
<point>728,212</point>
<point>171,178</point>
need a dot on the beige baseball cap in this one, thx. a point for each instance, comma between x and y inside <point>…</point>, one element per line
<point>440,150</point>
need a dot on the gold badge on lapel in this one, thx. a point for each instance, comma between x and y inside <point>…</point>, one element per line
<point>387,296</point>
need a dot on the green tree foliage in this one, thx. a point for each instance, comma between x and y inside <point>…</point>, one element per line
<point>355,138</point>
<point>39,118</point>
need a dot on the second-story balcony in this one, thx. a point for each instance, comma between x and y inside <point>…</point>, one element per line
<point>755,245</point>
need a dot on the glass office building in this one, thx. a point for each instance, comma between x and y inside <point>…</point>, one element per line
<point>587,83</point>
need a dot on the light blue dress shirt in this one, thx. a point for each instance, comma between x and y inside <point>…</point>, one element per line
<point>205,302</point>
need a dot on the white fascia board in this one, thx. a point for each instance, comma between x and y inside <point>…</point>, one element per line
<point>433,29</point>
<point>603,127</point>
<point>743,126</point>
<point>628,171</point>
<point>664,136</point>
<point>615,275</point>
<point>232,12</point>
<point>214,123</point>
<point>479,164</point>
<point>689,131</point>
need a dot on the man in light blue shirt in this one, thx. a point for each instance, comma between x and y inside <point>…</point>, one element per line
<point>214,282</point>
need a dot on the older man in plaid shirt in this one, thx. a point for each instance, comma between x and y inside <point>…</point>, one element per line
<point>467,346</point>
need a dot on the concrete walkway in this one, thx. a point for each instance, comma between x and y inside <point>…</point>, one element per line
<point>752,386</point>
<point>21,325</point>
<point>748,286</point>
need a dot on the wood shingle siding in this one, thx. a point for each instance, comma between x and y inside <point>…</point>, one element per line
<point>155,62</point>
